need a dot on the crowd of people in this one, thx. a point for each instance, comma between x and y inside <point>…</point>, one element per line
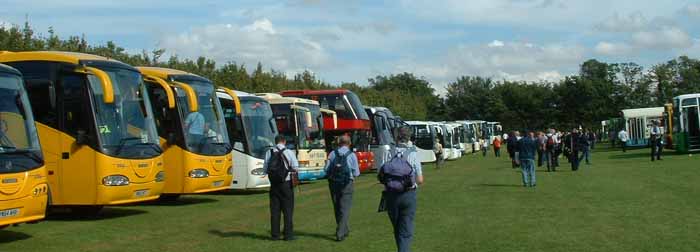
<point>401,176</point>
<point>543,148</point>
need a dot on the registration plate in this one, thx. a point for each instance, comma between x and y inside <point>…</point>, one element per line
<point>9,213</point>
<point>218,183</point>
<point>141,193</point>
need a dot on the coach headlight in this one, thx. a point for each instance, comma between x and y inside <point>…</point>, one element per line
<point>199,173</point>
<point>115,180</point>
<point>230,170</point>
<point>257,172</point>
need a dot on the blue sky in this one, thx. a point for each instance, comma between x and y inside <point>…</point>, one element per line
<point>351,41</point>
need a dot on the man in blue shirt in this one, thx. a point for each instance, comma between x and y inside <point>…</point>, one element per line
<point>525,153</point>
<point>282,194</point>
<point>401,206</point>
<point>342,169</point>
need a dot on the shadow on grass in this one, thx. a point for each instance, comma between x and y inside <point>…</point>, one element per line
<point>631,155</point>
<point>181,201</point>
<point>107,213</point>
<point>7,236</point>
<point>254,236</point>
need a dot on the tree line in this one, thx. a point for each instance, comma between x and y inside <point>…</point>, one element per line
<point>598,92</point>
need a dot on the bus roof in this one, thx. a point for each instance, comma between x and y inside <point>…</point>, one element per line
<point>63,57</point>
<point>243,96</point>
<point>642,112</point>
<point>67,57</point>
<point>8,69</point>
<point>314,92</point>
<point>165,73</point>
<point>686,96</point>
<point>273,98</point>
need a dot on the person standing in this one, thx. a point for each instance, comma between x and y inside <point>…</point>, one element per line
<point>497,146</point>
<point>575,148</point>
<point>280,164</point>
<point>550,150</point>
<point>485,146</point>
<point>512,146</point>
<point>656,141</point>
<point>585,143</point>
<point>438,150</point>
<point>401,177</point>
<point>342,169</point>
<point>527,147</point>
<point>623,137</point>
<point>541,141</point>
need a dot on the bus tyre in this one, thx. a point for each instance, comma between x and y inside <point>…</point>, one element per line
<point>169,197</point>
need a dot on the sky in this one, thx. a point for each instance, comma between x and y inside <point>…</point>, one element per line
<point>354,40</point>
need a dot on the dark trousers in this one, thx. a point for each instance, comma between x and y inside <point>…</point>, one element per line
<point>656,149</point>
<point>574,160</point>
<point>341,195</point>
<point>438,160</point>
<point>624,146</point>
<point>497,152</point>
<point>485,150</point>
<point>282,202</point>
<point>551,160</point>
<point>402,210</point>
<point>539,157</point>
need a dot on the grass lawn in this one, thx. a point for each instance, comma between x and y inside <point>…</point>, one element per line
<point>622,202</point>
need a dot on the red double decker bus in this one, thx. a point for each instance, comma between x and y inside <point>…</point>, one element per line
<point>352,120</point>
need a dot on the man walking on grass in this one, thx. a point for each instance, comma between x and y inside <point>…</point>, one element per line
<point>656,141</point>
<point>623,137</point>
<point>526,151</point>
<point>342,169</point>
<point>280,164</point>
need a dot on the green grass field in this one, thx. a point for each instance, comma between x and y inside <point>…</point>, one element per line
<point>622,202</point>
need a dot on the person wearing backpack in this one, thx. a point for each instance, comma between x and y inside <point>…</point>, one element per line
<point>342,168</point>
<point>279,165</point>
<point>401,177</point>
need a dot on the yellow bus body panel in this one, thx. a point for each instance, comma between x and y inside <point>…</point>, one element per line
<point>26,197</point>
<point>179,163</point>
<point>77,179</point>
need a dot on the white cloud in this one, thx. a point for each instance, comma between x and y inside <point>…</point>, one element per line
<point>630,23</point>
<point>496,43</point>
<point>692,10</point>
<point>264,25</point>
<point>512,61</point>
<point>636,33</point>
<point>667,37</point>
<point>612,48</point>
<point>259,41</point>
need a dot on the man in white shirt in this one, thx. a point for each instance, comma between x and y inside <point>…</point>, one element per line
<point>623,137</point>
<point>655,141</point>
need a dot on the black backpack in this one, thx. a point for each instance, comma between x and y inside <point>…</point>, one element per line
<point>339,172</point>
<point>277,170</point>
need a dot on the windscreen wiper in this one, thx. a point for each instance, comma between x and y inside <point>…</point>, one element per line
<point>30,154</point>
<point>122,142</point>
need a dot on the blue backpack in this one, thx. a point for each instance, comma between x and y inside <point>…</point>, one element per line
<point>397,174</point>
<point>339,172</point>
